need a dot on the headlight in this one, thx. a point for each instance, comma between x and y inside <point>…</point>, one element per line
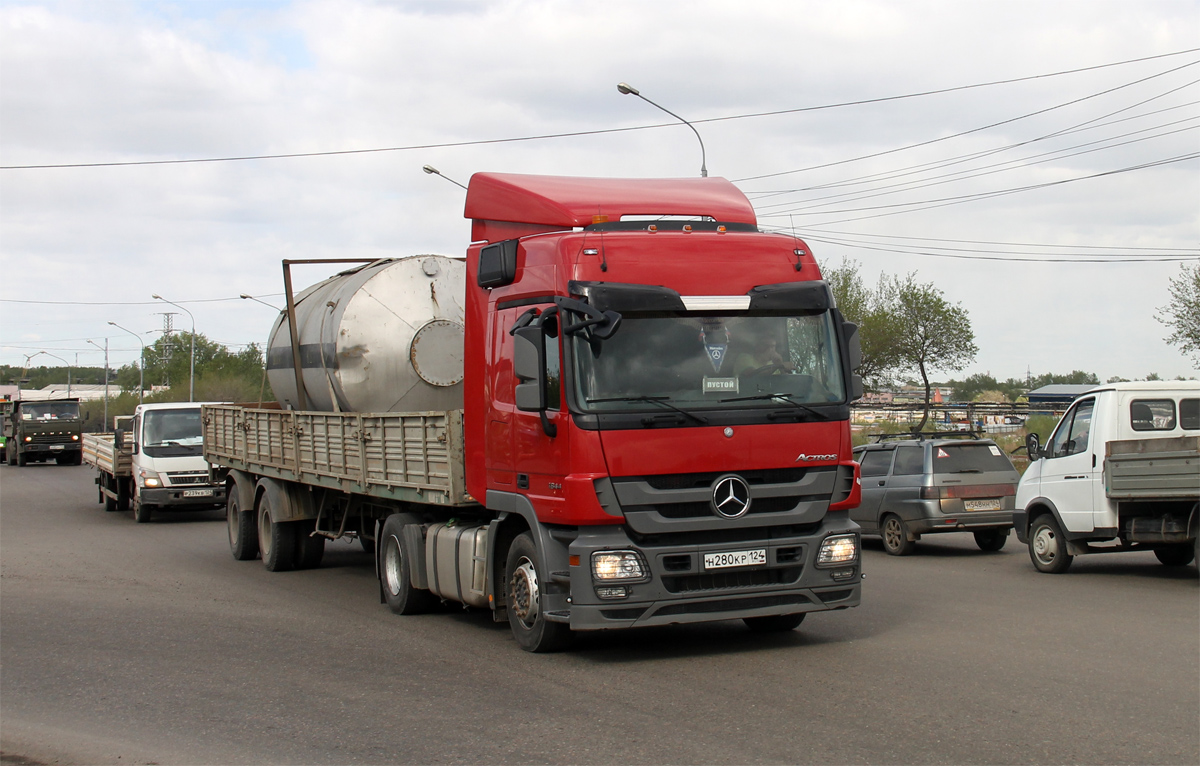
<point>28,438</point>
<point>149,478</point>
<point>74,437</point>
<point>838,549</point>
<point>619,566</point>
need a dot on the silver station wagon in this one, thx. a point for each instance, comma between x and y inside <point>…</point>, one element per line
<point>919,484</point>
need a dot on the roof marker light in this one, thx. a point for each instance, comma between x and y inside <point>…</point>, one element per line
<point>599,218</point>
<point>591,251</point>
<point>687,227</point>
<point>720,229</point>
<point>652,227</point>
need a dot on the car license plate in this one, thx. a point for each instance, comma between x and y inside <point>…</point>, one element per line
<point>989,504</point>
<point>56,447</point>
<point>197,493</point>
<point>731,559</point>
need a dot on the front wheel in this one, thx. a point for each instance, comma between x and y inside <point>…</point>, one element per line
<point>1048,546</point>
<point>1176,555</point>
<point>774,623</point>
<point>526,616</point>
<point>991,539</point>
<point>895,536</point>
<point>141,511</point>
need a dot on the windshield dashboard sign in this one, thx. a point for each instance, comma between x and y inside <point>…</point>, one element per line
<point>720,385</point>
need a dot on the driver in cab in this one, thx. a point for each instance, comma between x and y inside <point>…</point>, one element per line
<point>763,359</point>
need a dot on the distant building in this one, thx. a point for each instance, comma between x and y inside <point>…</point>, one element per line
<point>1057,393</point>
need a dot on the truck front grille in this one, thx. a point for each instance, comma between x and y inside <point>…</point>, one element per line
<point>717,581</point>
<point>178,478</point>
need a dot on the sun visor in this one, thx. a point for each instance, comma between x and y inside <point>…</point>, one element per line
<point>620,297</point>
<point>803,296</point>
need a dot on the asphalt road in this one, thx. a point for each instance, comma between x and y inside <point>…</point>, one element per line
<point>124,643</point>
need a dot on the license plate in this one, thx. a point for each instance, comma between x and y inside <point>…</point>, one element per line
<point>197,493</point>
<point>735,559</point>
<point>990,504</point>
<point>55,447</point>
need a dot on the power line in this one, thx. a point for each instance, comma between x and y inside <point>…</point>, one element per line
<point>128,303</point>
<point>1003,244</point>
<point>991,255</point>
<point>573,134</point>
<point>965,132</point>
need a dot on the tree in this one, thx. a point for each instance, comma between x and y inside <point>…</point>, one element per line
<point>876,322</point>
<point>934,334</point>
<point>1182,315</point>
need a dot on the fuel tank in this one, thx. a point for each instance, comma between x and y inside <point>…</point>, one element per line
<point>383,337</point>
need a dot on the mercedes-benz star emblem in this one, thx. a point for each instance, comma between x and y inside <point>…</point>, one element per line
<point>731,496</point>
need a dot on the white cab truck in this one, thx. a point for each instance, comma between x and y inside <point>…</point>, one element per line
<point>1121,472</point>
<point>157,464</point>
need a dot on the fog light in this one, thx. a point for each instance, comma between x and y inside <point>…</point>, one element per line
<point>612,591</point>
<point>838,549</point>
<point>842,574</point>
<point>617,566</point>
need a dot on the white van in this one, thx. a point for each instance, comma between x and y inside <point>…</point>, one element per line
<point>1121,472</point>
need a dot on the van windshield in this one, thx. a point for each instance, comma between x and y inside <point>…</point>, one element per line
<point>172,433</point>
<point>969,458</point>
<point>706,361</point>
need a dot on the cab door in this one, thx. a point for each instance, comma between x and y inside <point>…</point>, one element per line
<point>1069,468</point>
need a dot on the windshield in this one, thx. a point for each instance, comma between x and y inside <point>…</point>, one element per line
<point>172,433</point>
<point>50,411</point>
<point>712,362</point>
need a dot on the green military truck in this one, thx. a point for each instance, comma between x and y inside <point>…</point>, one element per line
<point>37,431</point>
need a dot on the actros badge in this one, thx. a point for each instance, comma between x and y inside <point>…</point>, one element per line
<point>731,497</point>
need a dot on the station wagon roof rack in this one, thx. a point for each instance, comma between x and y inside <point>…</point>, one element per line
<point>923,435</point>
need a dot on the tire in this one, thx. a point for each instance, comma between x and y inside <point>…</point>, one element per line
<point>276,540</point>
<point>243,532</point>
<point>774,623</point>
<point>65,460</point>
<point>1048,546</point>
<point>123,487</point>
<point>1176,555</point>
<point>141,511</point>
<point>394,576</point>
<point>310,548</point>
<point>22,459</point>
<point>895,536</point>
<point>78,460</point>
<point>532,631</point>
<point>991,539</point>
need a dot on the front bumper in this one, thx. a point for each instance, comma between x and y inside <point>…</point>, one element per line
<point>173,497</point>
<point>44,448</point>
<point>680,590</point>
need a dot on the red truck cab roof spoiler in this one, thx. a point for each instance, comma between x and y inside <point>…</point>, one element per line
<point>506,205</point>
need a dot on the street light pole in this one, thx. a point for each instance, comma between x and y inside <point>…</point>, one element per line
<point>141,361</point>
<point>192,373</point>
<point>431,170</point>
<point>245,297</point>
<point>629,90</point>
<point>97,345</point>
<point>59,358</point>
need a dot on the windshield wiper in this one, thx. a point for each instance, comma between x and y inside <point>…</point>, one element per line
<point>786,398</point>
<point>652,400</point>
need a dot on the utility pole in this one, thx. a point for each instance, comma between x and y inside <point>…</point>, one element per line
<point>97,345</point>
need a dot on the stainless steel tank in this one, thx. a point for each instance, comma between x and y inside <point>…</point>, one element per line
<point>385,337</point>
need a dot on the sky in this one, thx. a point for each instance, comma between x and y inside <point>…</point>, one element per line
<point>1038,162</point>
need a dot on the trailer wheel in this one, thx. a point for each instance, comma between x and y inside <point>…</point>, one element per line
<point>774,623</point>
<point>243,532</point>
<point>895,536</point>
<point>531,629</point>
<point>276,540</point>
<point>1048,546</point>
<point>991,539</point>
<point>1175,555</point>
<point>310,548</point>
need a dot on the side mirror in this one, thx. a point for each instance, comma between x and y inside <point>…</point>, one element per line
<point>1032,446</point>
<point>497,264</point>
<point>119,440</point>
<point>853,345</point>
<point>856,387</point>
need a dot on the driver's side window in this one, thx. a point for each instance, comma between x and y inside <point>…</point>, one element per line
<point>1072,435</point>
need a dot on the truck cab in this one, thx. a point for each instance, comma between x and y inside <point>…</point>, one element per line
<point>37,431</point>
<point>1076,498</point>
<point>168,466</point>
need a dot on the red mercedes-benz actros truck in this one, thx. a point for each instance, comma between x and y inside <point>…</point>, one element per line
<point>628,407</point>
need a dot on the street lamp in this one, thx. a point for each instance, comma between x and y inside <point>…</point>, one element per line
<point>105,349</point>
<point>628,90</point>
<point>192,373</point>
<point>431,170</point>
<point>245,297</point>
<point>141,361</point>
<point>59,358</point>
